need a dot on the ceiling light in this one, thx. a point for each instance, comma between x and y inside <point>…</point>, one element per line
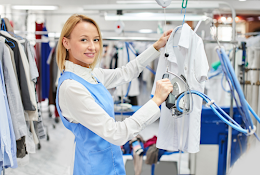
<point>34,7</point>
<point>146,31</point>
<point>242,0</point>
<point>153,17</point>
<point>229,19</point>
<point>135,2</point>
<point>223,18</point>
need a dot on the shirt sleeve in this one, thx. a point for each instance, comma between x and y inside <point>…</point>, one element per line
<point>115,77</point>
<point>201,63</point>
<point>76,102</point>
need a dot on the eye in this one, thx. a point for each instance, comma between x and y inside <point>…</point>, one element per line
<point>84,40</point>
<point>96,40</point>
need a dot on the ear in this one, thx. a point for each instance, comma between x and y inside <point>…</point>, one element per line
<point>65,42</point>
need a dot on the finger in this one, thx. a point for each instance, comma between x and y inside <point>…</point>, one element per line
<point>168,37</point>
<point>168,32</point>
<point>165,80</point>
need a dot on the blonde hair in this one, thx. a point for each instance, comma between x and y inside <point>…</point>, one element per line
<point>62,54</point>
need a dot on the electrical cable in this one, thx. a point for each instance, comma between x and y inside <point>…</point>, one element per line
<point>128,59</point>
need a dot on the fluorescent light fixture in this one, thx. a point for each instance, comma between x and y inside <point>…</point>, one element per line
<point>153,17</point>
<point>146,31</point>
<point>135,2</point>
<point>91,11</point>
<point>34,7</point>
<point>242,0</point>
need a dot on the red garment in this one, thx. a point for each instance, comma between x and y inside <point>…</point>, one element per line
<point>38,27</point>
<point>150,142</point>
<point>56,112</point>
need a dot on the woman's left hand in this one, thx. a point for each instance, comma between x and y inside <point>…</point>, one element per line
<point>163,40</point>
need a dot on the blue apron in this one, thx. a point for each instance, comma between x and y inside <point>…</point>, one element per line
<point>93,154</point>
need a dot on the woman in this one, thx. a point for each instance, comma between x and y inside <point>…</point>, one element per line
<point>86,107</point>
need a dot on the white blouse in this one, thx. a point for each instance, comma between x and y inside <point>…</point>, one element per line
<point>78,106</point>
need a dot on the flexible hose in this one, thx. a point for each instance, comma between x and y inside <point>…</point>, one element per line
<point>147,67</point>
<point>234,124</point>
<point>236,85</point>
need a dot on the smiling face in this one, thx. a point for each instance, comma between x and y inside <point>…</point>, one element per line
<point>83,44</point>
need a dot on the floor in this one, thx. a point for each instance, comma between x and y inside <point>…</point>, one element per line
<point>56,155</point>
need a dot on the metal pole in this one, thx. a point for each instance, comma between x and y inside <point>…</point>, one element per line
<point>231,103</point>
<point>3,170</point>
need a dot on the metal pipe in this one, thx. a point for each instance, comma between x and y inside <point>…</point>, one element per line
<point>231,103</point>
<point>221,42</point>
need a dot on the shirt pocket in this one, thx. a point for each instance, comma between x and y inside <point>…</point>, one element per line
<point>102,162</point>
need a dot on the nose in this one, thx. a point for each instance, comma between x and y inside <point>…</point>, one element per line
<point>91,46</point>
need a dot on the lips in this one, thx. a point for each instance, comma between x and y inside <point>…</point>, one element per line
<point>90,55</point>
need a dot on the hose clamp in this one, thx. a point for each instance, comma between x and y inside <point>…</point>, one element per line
<point>252,131</point>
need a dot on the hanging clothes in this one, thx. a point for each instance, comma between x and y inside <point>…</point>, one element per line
<point>53,75</point>
<point>9,27</point>
<point>186,57</point>
<point>45,68</point>
<point>7,137</point>
<point>38,27</point>
<point>26,98</point>
<point>123,55</point>
<point>13,94</point>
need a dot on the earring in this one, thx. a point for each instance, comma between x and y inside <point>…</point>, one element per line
<point>67,50</point>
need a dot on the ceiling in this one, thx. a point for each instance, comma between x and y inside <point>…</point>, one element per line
<point>247,7</point>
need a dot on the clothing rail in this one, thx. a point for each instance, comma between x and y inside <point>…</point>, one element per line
<point>222,42</point>
<point>250,33</point>
<point>58,33</point>
<point>144,39</point>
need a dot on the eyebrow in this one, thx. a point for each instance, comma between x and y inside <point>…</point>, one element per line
<point>87,36</point>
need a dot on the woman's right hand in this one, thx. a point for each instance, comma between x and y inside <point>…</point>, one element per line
<point>163,88</point>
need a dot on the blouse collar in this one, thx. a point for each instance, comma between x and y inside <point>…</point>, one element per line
<point>81,71</point>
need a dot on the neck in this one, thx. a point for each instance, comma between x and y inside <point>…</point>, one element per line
<point>75,61</point>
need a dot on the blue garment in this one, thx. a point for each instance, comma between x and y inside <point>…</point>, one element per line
<point>7,137</point>
<point>45,68</point>
<point>93,154</point>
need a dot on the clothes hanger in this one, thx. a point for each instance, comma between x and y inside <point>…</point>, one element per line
<point>183,21</point>
<point>3,27</point>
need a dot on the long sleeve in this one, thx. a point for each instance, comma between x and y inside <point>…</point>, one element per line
<point>115,77</point>
<point>77,103</point>
<point>13,94</point>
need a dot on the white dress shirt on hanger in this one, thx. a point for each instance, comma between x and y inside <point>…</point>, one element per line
<point>186,57</point>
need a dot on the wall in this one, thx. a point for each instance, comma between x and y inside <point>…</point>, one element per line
<point>252,26</point>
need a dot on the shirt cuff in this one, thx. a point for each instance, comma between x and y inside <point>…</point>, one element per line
<point>147,56</point>
<point>147,114</point>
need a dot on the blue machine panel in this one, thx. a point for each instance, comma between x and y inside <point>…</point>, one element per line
<point>215,131</point>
